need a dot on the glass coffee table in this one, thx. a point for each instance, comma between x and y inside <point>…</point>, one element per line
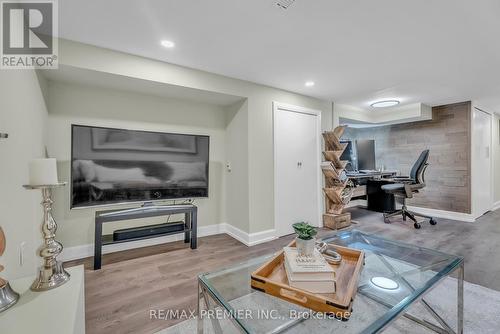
<point>394,282</point>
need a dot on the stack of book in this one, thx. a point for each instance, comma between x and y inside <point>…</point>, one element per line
<point>312,274</point>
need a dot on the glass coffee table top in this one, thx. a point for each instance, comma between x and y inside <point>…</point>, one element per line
<point>395,276</point>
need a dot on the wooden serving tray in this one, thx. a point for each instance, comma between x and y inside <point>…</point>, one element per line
<point>271,278</point>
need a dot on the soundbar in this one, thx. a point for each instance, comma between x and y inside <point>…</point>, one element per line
<point>148,231</point>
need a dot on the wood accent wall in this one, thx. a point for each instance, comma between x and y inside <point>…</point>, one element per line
<point>447,136</point>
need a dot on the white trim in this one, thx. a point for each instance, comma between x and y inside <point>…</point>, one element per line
<point>83,251</point>
<point>249,239</point>
<point>236,233</point>
<point>466,217</point>
<point>261,237</point>
<point>475,168</point>
<point>288,107</point>
<point>76,252</point>
<point>292,108</point>
<point>357,203</point>
<point>495,206</point>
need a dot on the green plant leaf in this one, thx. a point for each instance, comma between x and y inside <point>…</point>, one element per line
<point>304,230</point>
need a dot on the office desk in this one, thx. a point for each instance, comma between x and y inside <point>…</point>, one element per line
<point>368,185</point>
<point>371,175</point>
<point>378,199</point>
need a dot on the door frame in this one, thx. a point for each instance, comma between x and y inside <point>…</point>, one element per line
<point>277,107</point>
<point>475,166</point>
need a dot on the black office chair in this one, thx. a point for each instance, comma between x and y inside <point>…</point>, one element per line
<point>405,186</point>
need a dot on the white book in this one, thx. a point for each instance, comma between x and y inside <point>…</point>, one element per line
<point>314,286</point>
<point>314,269</point>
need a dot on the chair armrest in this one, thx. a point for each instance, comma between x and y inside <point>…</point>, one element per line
<point>408,190</point>
<point>411,188</point>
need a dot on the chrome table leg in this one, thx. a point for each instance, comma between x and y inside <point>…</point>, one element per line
<point>460,299</point>
<point>199,323</point>
<point>205,295</point>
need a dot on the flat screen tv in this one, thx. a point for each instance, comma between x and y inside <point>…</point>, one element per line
<point>111,166</point>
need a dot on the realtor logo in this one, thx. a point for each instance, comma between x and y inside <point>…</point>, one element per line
<point>28,30</point>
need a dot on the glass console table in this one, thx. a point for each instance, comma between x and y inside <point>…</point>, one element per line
<point>394,282</point>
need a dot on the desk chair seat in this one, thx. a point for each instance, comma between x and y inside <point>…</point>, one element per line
<point>405,187</point>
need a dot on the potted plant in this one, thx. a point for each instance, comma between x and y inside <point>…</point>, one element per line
<point>305,240</point>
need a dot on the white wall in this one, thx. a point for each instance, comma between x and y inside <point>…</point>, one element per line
<point>259,109</point>
<point>237,187</point>
<point>77,104</point>
<point>23,115</point>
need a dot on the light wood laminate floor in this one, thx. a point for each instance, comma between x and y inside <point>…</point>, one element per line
<point>119,297</point>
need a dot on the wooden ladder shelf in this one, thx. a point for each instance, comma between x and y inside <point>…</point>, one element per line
<point>337,192</point>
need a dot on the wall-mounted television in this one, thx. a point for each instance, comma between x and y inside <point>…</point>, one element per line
<point>119,166</point>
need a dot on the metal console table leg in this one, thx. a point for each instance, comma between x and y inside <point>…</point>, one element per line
<point>97,245</point>
<point>187,227</point>
<point>194,228</point>
<point>146,211</point>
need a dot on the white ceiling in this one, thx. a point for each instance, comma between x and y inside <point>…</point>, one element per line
<point>357,52</point>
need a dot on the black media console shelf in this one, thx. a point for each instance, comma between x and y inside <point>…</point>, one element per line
<point>190,224</point>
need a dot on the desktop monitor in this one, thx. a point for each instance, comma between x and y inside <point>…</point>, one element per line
<point>348,155</point>
<point>365,152</point>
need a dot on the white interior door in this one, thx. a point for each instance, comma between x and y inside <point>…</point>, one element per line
<point>481,158</point>
<point>297,169</point>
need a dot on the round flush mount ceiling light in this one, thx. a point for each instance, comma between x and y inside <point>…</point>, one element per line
<point>167,44</point>
<point>385,283</point>
<point>385,103</point>
<point>309,83</point>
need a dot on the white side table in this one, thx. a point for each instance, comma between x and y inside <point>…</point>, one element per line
<point>61,310</point>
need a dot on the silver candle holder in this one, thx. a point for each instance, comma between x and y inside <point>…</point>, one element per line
<point>51,273</point>
<point>8,297</point>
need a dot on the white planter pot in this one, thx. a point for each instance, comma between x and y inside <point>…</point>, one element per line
<point>305,247</point>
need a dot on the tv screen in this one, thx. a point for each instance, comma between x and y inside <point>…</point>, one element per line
<point>112,166</point>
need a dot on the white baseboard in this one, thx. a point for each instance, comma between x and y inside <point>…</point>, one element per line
<point>466,217</point>
<point>261,237</point>
<point>235,232</point>
<point>83,251</point>
<point>496,206</point>
<point>249,239</point>
<point>357,202</point>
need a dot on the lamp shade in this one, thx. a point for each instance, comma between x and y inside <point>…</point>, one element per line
<point>43,172</point>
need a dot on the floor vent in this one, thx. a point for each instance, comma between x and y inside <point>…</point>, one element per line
<point>285,3</point>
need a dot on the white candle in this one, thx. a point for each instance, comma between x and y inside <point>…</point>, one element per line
<point>43,172</point>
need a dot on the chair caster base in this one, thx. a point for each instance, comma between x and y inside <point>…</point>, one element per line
<point>417,225</point>
<point>433,221</point>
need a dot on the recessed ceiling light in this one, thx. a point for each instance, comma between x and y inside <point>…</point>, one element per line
<point>309,83</point>
<point>167,44</point>
<point>385,103</point>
